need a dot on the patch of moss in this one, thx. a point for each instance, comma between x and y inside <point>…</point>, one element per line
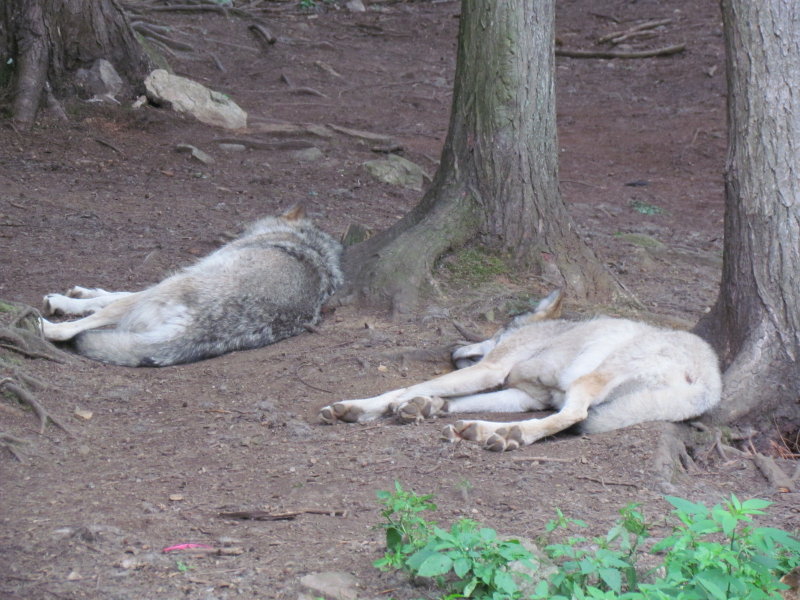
<point>475,266</point>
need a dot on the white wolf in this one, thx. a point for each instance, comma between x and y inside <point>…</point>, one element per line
<point>267,285</point>
<point>602,374</point>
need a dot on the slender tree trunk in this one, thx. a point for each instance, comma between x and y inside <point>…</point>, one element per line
<point>46,41</point>
<point>497,182</point>
<point>755,324</point>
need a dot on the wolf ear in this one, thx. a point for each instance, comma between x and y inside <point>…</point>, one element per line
<point>549,307</point>
<point>297,212</point>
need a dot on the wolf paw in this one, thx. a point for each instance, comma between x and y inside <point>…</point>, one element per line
<point>81,292</point>
<point>420,408</point>
<point>52,304</point>
<point>493,436</point>
<point>340,411</point>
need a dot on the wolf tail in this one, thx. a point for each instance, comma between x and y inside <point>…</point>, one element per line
<point>119,347</point>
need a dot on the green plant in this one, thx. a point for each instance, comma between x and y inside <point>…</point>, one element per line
<point>646,208</point>
<point>406,531</point>
<point>470,561</point>
<point>182,566</point>
<point>467,560</point>
<point>717,553</point>
<point>603,563</point>
<point>713,553</point>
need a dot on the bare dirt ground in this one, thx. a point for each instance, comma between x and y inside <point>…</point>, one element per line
<point>105,200</point>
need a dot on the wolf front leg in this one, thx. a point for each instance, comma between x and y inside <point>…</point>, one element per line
<point>359,411</point>
<point>423,399</point>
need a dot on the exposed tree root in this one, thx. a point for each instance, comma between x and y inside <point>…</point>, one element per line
<point>9,442</point>
<point>20,333</point>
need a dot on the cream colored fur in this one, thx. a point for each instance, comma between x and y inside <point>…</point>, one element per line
<point>601,374</point>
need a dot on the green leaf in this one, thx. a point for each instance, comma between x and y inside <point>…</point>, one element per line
<point>434,565</point>
<point>462,566</point>
<point>687,506</point>
<point>714,585</point>
<point>504,582</point>
<point>394,539</point>
<point>612,578</point>
<point>754,506</point>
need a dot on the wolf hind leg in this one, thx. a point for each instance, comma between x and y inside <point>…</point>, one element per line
<point>107,315</point>
<point>499,437</point>
<point>126,348</point>
<point>80,301</point>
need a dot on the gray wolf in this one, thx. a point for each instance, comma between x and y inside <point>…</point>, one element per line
<point>262,287</point>
<point>601,374</point>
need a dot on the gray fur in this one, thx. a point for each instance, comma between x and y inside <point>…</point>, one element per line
<point>267,285</point>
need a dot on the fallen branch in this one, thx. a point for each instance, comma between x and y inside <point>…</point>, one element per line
<point>262,515</point>
<point>619,36</point>
<point>667,51</point>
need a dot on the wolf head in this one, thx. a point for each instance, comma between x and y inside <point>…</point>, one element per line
<point>548,308</point>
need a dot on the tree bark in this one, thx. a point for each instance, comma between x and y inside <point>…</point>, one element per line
<point>755,323</point>
<point>497,182</point>
<point>47,41</point>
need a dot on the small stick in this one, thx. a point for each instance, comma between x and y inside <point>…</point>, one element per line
<point>109,145</point>
<point>604,482</point>
<point>470,336</point>
<point>521,459</point>
<point>300,379</point>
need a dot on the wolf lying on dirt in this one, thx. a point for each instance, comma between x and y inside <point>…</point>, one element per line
<point>262,287</point>
<point>602,374</point>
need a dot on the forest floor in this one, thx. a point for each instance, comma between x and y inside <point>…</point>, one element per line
<point>155,455</point>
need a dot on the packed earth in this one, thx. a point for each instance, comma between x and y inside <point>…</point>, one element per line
<point>148,459</point>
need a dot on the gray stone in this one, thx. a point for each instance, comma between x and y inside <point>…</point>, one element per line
<point>196,153</point>
<point>233,147</point>
<point>100,82</point>
<point>187,96</point>
<point>308,154</point>
<point>355,6</point>
<point>396,170</point>
<point>333,585</point>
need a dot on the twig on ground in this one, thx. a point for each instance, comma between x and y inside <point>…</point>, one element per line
<point>109,145</point>
<point>521,459</point>
<point>607,481</point>
<point>468,335</point>
<point>301,380</point>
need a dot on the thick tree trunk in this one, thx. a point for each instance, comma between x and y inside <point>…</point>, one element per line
<point>497,183</point>
<point>755,324</point>
<point>47,41</point>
